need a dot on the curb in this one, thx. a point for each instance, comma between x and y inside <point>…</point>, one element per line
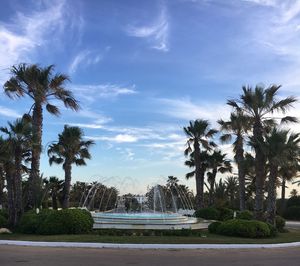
<point>145,246</point>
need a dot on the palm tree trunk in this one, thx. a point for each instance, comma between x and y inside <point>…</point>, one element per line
<point>283,194</point>
<point>271,202</point>
<point>37,124</point>
<point>54,200</point>
<point>2,181</point>
<point>10,195</point>
<point>199,175</point>
<point>67,184</point>
<point>260,161</point>
<point>18,186</point>
<point>212,187</point>
<point>239,157</point>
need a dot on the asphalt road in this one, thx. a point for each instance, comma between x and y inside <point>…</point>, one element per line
<point>41,256</point>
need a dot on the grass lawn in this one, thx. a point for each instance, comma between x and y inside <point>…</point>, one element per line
<point>206,238</point>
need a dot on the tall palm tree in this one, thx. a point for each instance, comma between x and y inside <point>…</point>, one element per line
<point>280,147</point>
<point>19,141</point>
<point>42,86</point>
<point>199,136</point>
<point>237,126</point>
<point>258,105</point>
<point>70,149</point>
<point>217,162</point>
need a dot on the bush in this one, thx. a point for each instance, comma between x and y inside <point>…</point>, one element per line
<point>4,213</point>
<point>293,201</point>
<point>225,214</point>
<point>245,215</point>
<point>208,213</point>
<point>3,221</point>
<point>280,223</point>
<point>213,227</point>
<point>273,230</point>
<point>31,221</point>
<point>244,228</point>
<point>292,213</point>
<point>68,221</point>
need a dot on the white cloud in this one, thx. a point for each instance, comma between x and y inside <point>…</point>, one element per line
<point>186,109</point>
<point>120,138</point>
<point>4,111</point>
<point>156,34</point>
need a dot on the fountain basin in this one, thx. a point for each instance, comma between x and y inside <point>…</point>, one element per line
<point>145,220</point>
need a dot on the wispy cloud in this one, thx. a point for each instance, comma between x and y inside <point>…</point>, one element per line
<point>91,93</point>
<point>20,38</point>
<point>120,138</point>
<point>4,111</point>
<point>157,33</point>
<point>86,58</point>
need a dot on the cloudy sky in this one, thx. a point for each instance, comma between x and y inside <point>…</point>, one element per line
<point>142,69</point>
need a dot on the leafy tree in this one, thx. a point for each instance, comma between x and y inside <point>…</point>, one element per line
<point>258,105</point>
<point>199,135</point>
<point>70,149</point>
<point>42,86</point>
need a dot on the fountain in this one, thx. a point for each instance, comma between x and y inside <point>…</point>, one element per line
<point>158,210</point>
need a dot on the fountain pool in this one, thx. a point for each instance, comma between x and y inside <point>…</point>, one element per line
<point>145,220</point>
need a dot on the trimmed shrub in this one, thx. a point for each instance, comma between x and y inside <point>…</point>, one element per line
<point>29,223</point>
<point>3,221</point>
<point>213,227</point>
<point>292,213</point>
<point>68,221</point>
<point>244,228</point>
<point>245,215</point>
<point>208,213</point>
<point>280,223</point>
<point>225,214</point>
<point>273,230</point>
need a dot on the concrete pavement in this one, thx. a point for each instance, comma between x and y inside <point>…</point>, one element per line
<point>42,256</point>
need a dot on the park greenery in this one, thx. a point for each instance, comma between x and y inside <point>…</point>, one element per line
<point>266,157</point>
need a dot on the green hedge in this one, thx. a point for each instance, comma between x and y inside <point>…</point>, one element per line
<point>245,215</point>
<point>292,213</point>
<point>225,214</point>
<point>208,213</point>
<point>244,228</point>
<point>50,222</point>
<point>213,227</point>
<point>293,201</point>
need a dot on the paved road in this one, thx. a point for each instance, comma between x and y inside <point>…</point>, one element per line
<point>293,224</point>
<point>37,256</point>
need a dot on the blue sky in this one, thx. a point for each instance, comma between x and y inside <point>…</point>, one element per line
<point>142,69</point>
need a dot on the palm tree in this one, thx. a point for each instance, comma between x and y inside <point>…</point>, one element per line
<point>199,135</point>
<point>294,193</point>
<point>231,183</point>
<point>70,149</point>
<point>280,148</point>
<point>42,86</point>
<point>19,141</point>
<point>258,105</point>
<point>238,125</point>
<point>217,162</point>
<point>55,187</point>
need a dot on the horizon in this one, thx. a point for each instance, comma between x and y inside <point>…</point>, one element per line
<point>141,71</point>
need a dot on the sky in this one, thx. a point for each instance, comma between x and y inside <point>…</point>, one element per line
<point>142,69</point>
